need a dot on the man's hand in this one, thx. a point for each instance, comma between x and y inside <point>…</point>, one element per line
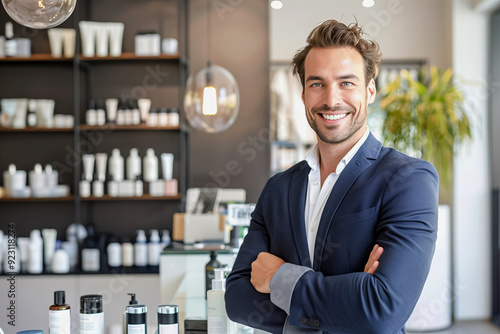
<point>263,269</point>
<point>373,262</point>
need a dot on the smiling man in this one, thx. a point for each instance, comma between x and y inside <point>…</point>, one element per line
<point>341,242</point>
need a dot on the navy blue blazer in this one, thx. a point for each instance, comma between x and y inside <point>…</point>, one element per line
<point>382,196</point>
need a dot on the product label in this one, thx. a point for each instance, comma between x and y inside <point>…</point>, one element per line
<point>168,329</point>
<point>59,322</point>
<point>136,329</point>
<point>217,325</point>
<point>92,323</point>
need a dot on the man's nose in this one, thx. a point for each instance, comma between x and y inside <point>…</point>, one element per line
<point>333,96</point>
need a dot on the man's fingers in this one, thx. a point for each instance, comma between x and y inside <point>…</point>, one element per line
<point>373,263</point>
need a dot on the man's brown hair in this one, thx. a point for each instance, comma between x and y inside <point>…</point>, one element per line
<point>332,33</point>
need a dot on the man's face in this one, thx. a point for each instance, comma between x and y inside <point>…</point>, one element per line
<point>335,93</point>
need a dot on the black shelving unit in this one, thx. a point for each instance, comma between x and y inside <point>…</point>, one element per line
<point>72,83</point>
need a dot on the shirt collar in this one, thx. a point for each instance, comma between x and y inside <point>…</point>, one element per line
<point>312,157</point>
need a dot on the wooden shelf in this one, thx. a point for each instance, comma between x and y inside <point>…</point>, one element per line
<point>85,127</point>
<point>35,129</point>
<point>131,56</point>
<point>38,199</point>
<point>37,57</point>
<point>142,198</point>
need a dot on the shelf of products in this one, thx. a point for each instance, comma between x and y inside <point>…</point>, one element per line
<point>135,198</point>
<point>40,57</point>
<point>72,83</point>
<point>142,127</point>
<point>131,56</point>
<point>35,129</point>
<point>38,199</point>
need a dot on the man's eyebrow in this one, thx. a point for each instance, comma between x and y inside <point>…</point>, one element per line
<point>347,77</point>
<point>314,78</point>
<point>340,77</point>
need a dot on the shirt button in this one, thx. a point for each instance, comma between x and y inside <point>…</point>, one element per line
<point>313,229</point>
<point>315,184</point>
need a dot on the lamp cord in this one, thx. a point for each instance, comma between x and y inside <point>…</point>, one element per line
<point>209,19</point>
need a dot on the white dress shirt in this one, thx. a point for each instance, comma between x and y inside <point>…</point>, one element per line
<point>317,195</point>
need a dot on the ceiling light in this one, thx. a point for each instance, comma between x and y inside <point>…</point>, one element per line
<point>212,98</point>
<point>39,14</point>
<point>368,3</point>
<point>276,4</point>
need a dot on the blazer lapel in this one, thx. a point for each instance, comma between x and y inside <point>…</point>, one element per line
<point>361,160</point>
<point>297,193</point>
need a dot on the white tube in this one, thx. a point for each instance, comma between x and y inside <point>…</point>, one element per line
<point>69,36</point>
<point>88,167</point>
<point>115,30</point>
<point>87,32</point>
<point>111,109</point>
<point>101,161</point>
<point>167,165</point>
<point>56,42</point>
<point>49,243</point>
<point>144,108</point>
<point>102,39</point>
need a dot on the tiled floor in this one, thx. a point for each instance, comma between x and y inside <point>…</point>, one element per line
<point>469,327</point>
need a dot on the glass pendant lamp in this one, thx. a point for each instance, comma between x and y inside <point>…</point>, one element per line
<point>212,100</point>
<point>39,14</point>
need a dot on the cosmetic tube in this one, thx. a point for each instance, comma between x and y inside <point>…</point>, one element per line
<point>102,39</point>
<point>56,42</point>
<point>88,166</point>
<point>167,164</point>
<point>111,109</point>
<point>49,243</point>
<point>144,108</point>
<point>35,264</point>
<point>69,38</point>
<point>115,30</point>
<point>88,35</point>
<point>101,160</point>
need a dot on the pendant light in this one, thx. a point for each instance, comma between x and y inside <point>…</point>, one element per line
<point>39,14</point>
<point>211,102</point>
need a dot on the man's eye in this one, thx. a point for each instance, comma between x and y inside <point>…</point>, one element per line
<point>316,84</point>
<point>347,83</point>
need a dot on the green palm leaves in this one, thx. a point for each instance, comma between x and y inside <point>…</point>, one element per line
<point>425,116</point>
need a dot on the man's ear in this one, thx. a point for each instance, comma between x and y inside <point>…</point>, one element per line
<point>371,92</point>
<point>303,101</point>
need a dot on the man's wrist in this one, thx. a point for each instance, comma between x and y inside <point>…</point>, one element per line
<point>283,283</point>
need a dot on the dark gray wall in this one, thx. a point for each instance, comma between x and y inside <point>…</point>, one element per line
<point>238,157</point>
<point>495,98</point>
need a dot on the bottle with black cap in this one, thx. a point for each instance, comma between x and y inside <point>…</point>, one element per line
<point>91,314</point>
<point>59,315</point>
<point>135,317</point>
<point>168,319</point>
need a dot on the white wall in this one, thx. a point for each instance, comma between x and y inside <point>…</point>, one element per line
<point>405,29</point>
<point>472,184</point>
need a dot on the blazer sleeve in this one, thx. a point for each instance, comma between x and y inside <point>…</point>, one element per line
<point>244,304</point>
<point>380,303</point>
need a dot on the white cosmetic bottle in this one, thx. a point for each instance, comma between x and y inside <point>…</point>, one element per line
<point>133,165</point>
<point>35,264</point>
<point>150,166</point>
<point>218,322</point>
<point>154,248</point>
<point>141,249</point>
<point>116,166</point>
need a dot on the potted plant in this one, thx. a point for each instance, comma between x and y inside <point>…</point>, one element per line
<point>425,117</point>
